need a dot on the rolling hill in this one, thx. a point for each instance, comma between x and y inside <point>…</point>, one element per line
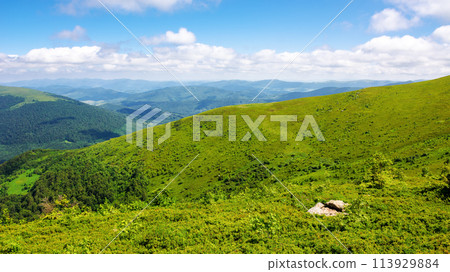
<point>86,94</point>
<point>386,153</point>
<point>30,119</point>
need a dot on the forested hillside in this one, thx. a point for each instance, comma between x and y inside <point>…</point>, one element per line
<point>31,119</point>
<point>386,154</point>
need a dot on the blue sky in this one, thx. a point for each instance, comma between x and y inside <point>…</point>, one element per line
<point>224,39</point>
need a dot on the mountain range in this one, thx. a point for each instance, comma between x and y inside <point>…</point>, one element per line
<point>137,86</point>
<point>126,96</point>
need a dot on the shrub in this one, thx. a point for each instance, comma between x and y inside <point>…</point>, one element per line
<point>4,217</point>
<point>425,172</point>
<point>445,174</point>
<point>163,199</point>
<point>380,171</point>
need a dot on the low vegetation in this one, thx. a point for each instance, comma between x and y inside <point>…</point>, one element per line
<point>386,154</point>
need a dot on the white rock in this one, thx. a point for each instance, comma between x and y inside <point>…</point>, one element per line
<point>331,208</point>
<point>316,209</point>
<point>337,205</point>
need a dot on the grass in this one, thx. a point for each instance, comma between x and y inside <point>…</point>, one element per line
<point>265,222</point>
<point>22,183</point>
<point>30,95</point>
<point>226,202</point>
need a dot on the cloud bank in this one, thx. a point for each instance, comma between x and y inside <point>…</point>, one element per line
<point>384,57</point>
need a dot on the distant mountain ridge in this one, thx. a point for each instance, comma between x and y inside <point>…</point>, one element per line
<point>177,100</point>
<point>123,85</point>
<point>278,85</point>
<point>137,86</point>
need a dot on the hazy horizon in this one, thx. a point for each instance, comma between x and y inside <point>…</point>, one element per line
<point>212,80</point>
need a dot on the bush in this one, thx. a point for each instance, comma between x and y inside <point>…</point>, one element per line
<point>4,217</point>
<point>425,172</point>
<point>445,174</point>
<point>164,199</point>
<point>380,171</point>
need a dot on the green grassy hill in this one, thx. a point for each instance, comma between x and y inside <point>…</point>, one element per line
<point>386,153</point>
<point>31,119</point>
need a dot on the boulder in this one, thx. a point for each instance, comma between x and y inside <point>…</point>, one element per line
<point>321,209</point>
<point>337,205</point>
<point>331,208</point>
<point>316,209</point>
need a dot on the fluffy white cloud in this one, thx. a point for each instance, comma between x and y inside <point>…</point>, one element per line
<point>442,34</point>
<point>435,8</point>
<point>384,57</point>
<point>182,37</point>
<point>391,20</point>
<point>77,34</point>
<point>61,55</point>
<point>393,45</point>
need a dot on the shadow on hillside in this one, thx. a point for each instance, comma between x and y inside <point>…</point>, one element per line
<point>99,135</point>
<point>57,120</point>
<point>440,191</point>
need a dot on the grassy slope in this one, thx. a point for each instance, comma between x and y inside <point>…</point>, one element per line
<point>30,95</point>
<point>355,125</point>
<point>18,185</point>
<point>226,202</point>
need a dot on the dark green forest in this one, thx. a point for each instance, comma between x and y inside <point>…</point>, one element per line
<point>31,119</point>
